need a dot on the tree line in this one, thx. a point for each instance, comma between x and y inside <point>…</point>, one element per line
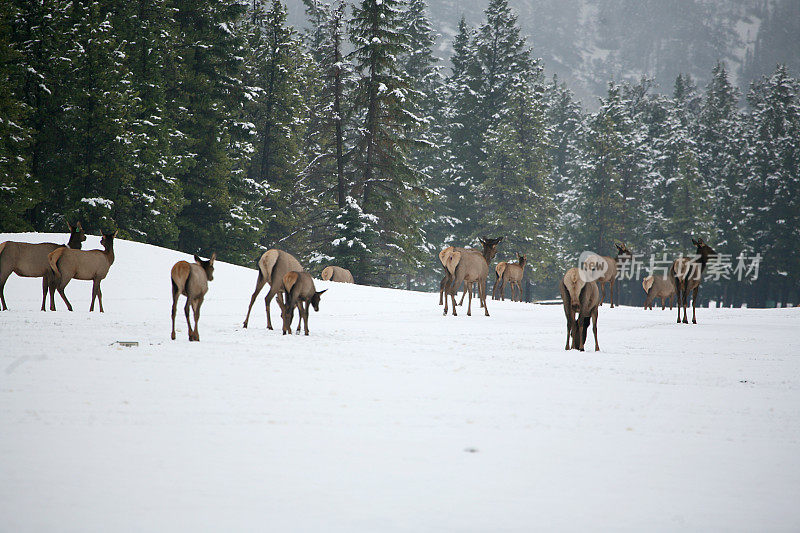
<point>213,125</point>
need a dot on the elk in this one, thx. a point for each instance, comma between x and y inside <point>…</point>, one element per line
<point>300,290</point>
<point>581,297</point>
<point>272,267</point>
<point>191,280</point>
<point>30,261</point>
<point>658,287</point>
<point>336,273</point>
<point>509,273</point>
<point>610,274</point>
<point>468,267</point>
<point>68,264</point>
<point>489,247</point>
<point>687,273</point>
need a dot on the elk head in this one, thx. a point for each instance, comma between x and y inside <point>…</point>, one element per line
<point>522,259</point>
<point>76,235</point>
<point>208,266</point>
<point>315,300</point>
<point>703,250</point>
<point>622,250</point>
<point>490,247</point>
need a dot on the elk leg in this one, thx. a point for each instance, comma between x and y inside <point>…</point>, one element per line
<point>186,312</point>
<point>694,304</point>
<point>196,307</point>
<point>494,288</point>
<point>100,296</point>
<point>569,331</point>
<point>305,315</point>
<point>51,288</point>
<point>452,290</point>
<point>663,304</point>
<point>685,304</point>
<point>95,284</point>
<point>602,292</point>
<point>469,307</point>
<point>259,285</point>
<point>671,301</point>
<point>594,330</point>
<point>44,290</point>
<point>267,300</point>
<point>175,294</point>
<point>60,288</point>
<point>612,292</point>
<point>463,294</point>
<point>3,278</point>
<point>442,285</point>
<point>482,288</point>
<point>300,313</point>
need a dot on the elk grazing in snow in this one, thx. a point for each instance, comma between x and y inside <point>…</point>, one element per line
<point>581,297</point>
<point>30,261</point>
<point>272,267</point>
<point>509,273</point>
<point>336,273</point>
<point>658,287</point>
<point>468,267</point>
<point>191,280</point>
<point>68,264</point>
<point>489,250</point>
<point>300,293</point>
<point>687,273</point>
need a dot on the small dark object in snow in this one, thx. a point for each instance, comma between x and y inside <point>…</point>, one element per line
<point>128,344</point>
<point>743,381</point>
<point>471,450</point>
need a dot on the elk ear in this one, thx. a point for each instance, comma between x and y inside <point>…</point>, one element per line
<point>198,260</point>
<point>320,292</point>
<point>213,258</point>
<point>115,233</point>
<point>695,242</point>
<point>70,226</point>
<point>78,225</point>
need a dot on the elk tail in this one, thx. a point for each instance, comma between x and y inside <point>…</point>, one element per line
<point>289,280</point>
<point>499,269</point>
<point>53,258</point>
<point>451,261</point>
<point>267,263</point>
<point>327,273</point>
<point>647,283</point>
<point>443,255</point>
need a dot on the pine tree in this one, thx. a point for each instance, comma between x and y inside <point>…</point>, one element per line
<point>385,183</point>
<point>517,194</point>
<point>18,192</point>
<point>772,188</point>
<point>279,114</point>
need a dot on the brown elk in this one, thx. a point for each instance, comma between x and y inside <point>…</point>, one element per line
<point>687,273</point>
<point>336,273</point>
<point>489,250</point>
<point>272,267</point>
<point>658,287</point>
<point>300,293</point>
<point>68,264</point>
<point>30,261</point>
<point>581,297</point>
<point>191,280</point>
<point>469,267</point>
<point>610,274</point>
<point>509,273</point>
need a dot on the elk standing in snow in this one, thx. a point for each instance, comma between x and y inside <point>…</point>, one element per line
<point>489,250</point>
<point>658,287</point>
<point>610,274</point>
<point>273,265</point>
<point>687,273</point>
<point>468,267</point>
<point>300,293</point>
<point>336,273</point>
<point>581,297</point>
<point>30,261</point>
<point>68,264</point>
<point>191,280</point>
<point>509,273</point>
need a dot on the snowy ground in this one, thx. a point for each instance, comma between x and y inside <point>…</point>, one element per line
<point>389,417</point>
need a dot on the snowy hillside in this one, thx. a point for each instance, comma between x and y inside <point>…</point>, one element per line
<point>389,416</point>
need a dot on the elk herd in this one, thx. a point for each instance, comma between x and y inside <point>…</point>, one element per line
<point>582,289</point>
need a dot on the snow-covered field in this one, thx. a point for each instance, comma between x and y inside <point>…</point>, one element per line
<point>389,416</point>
